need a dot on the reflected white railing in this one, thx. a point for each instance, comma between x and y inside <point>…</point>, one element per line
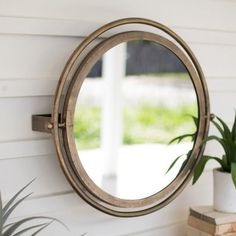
<point>113,71</point>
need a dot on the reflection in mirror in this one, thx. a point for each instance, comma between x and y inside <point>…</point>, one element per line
<point>134,101</point>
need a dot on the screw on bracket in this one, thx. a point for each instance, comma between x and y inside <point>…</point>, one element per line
<point>50,126</point>
<point>62,125</point>
<point>42,123</point>
<point>212,116</point>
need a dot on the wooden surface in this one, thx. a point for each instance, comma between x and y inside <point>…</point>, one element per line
<point>211,229</point>
<point>205,220</point>
<point>194,232</point>
<point>208,214</point>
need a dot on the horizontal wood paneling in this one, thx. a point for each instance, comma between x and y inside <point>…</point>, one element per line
<point>36,39</point>
<point>174,229</point>
<point>26,148</point>
<point>15,173</point>
<point>34,57</point>
<point>27,87</point>
<point>45,147</point>
<point>45,57</point>
<point>82,218</point>
<point>216,60</point>
<point>80,28</point>
<point>221,84</point>
<point>207,14</point>
<point>223,104</point>
<point>15,119</point>
<point>11,88</point>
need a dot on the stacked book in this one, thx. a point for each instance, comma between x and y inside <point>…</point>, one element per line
<point>205,221</point>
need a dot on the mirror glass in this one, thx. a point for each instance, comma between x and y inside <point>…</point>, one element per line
<point>135,100</point>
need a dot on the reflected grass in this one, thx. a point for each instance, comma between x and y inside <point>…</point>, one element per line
<point>142,124</point>
<point>86,129</point>
<point>147,124</point>
<point>169,75</point>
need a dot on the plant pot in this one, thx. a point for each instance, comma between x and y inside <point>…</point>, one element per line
<point>224,192</point>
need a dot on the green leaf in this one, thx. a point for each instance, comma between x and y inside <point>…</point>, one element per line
<point>226,129</point>
<point>213,137</point>
<point>199,169</point>
<point>232,151</point>
<point>194,137</point>
<point>221,141</point>
<point>44,225</point>
<point>183,165</point>
<point>8,213</point>
<point>180,138</point>
<point>1,214</point>
<point>42,228</point>
<point>233,172</point>
<point>226,163</point>
<point>8,225</point>
<point>195,120</point>
<point>234,129</point>
<point>220,161</point>
<point>15,196</point>
<point>220,129</point>
<point>201,165</point>
<point>16,225</point>
<point>173,163</point>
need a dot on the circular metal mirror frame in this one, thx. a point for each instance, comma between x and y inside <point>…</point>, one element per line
<point>93,56</point>
<point>63,124</point>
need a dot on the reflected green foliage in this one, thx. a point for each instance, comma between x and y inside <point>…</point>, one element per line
<point>87,124</point>
<point>168,75</point>
<point>147,124</point>
<point>180,139</point>
<point>142,124</point>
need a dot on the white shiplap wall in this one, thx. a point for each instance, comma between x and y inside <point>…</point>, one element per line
<point>36,38</point>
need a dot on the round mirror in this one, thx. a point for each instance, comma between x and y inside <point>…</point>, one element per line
<point>132,119</point>
<point>135,100</point>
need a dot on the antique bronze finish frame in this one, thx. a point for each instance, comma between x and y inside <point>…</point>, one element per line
<point>61,122</point>
<point>71,100</point>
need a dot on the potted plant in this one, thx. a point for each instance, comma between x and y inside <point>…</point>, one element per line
<point>225,176</point>
<point>179,139</point>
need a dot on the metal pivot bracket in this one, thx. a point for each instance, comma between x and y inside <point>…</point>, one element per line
<point>42,123</point>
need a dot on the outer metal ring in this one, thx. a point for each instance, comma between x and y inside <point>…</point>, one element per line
<point>63,137</point>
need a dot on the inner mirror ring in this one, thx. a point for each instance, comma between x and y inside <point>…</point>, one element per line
<point>168,193</point>
<point>71,100</point>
